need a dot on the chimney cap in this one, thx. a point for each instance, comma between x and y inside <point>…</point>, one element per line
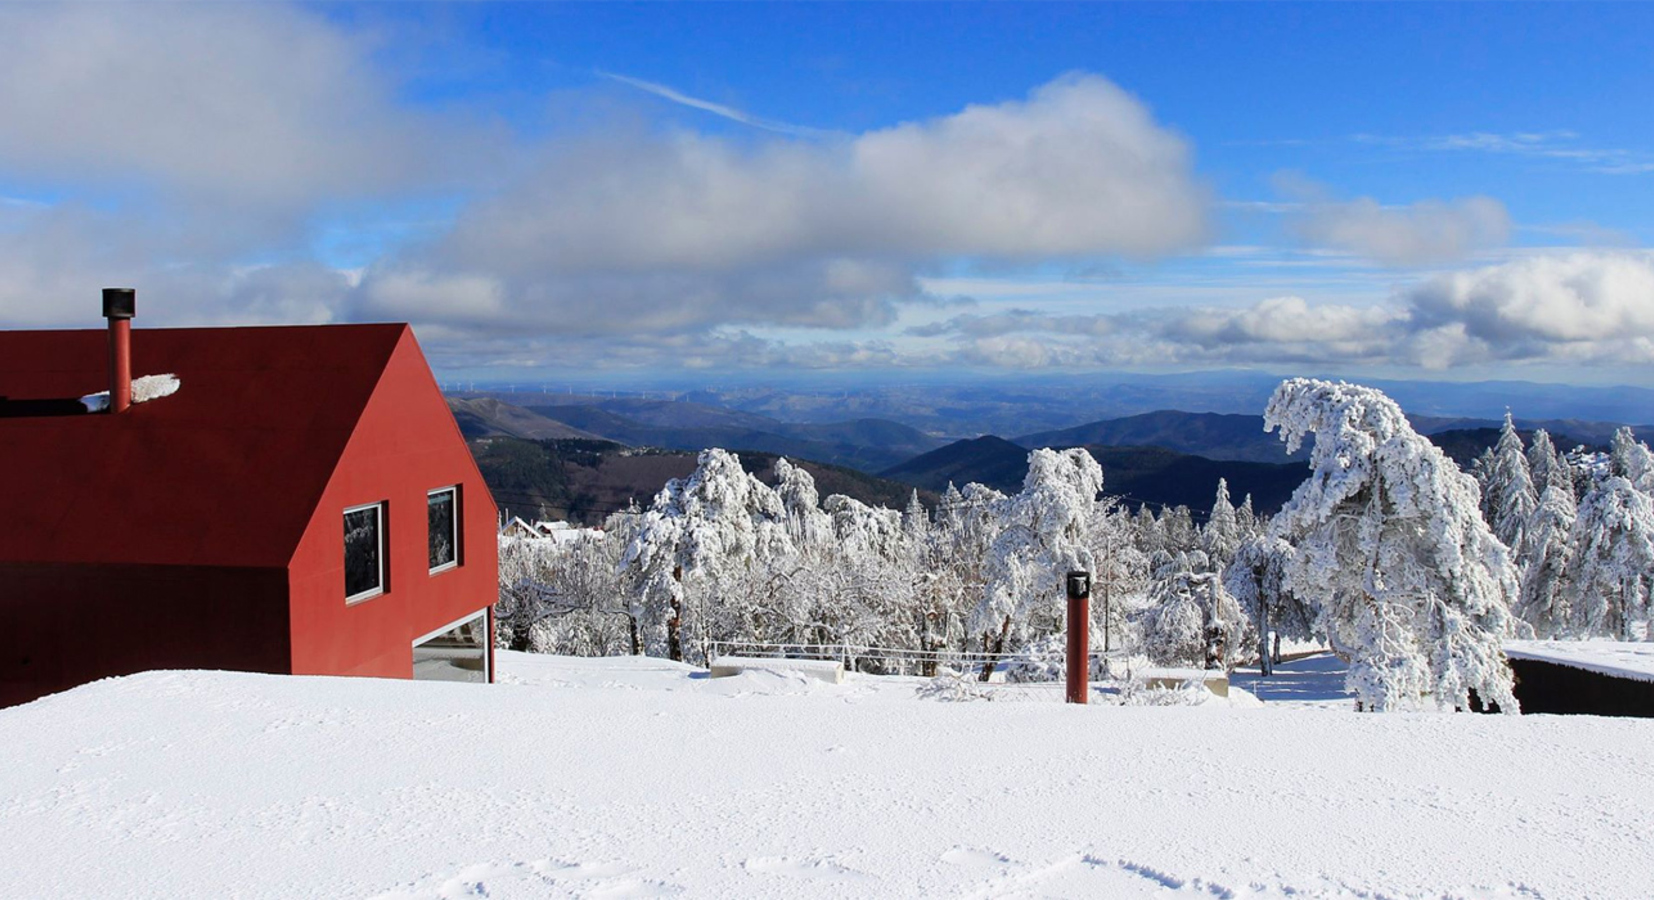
<point>120,303</point>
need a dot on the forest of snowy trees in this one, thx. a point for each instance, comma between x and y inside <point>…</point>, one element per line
<point>1409,568</point>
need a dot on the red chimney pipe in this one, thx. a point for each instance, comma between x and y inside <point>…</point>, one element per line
<point>119,306</point>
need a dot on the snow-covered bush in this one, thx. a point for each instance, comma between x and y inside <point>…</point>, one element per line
<point>954,687</point>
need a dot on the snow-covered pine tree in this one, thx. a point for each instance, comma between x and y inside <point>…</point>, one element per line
<point>1507,491</point>
<point>1413,588</point>
<point>1630,459</point>
<point>1047,532</point>
<point>1151,538</point>
<point>1546,465</point>
<point>1246,521</point>
<point>866,590</point>
<point>1222,532</point>
<point>1613,565</point>
<point>1548,554</point>
<point>1178,524</point>
<point>1481,469</point>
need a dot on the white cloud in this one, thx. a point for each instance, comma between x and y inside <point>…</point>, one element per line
<point>638,230</point>
<point>260,104</point>
<point>1579,297</point>
<point>1429,231</point>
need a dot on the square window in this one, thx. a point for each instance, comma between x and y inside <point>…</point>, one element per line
<point>442,513</point>
<point>364,552</point>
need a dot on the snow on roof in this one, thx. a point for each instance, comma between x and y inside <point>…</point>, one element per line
<point>1634,660</point>
<point>144,389</point>
<point>220,784</point>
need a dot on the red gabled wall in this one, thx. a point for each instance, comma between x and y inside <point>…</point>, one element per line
<point>405,444</point>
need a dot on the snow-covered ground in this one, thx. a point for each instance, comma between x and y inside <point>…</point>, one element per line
<point>635,777</point>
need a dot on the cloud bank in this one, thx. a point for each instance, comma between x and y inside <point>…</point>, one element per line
<point>1579,307</point>
<point>617,232</point>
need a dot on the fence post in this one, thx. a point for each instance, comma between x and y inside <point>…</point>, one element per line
<point>1079,636</point>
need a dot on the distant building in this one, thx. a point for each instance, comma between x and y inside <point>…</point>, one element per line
<point>1596,678</point>
<point>302,503</point>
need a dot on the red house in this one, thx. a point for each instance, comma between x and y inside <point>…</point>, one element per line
<point>303,503</point>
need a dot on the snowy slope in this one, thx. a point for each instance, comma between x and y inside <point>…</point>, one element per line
<point>629,777</point>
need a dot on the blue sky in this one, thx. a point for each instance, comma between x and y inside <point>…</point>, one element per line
<point>1412,190</point>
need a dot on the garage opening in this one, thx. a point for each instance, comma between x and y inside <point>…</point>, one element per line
<point>456,652</point>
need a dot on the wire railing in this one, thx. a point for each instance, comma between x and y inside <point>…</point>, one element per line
<point>1016,677</point>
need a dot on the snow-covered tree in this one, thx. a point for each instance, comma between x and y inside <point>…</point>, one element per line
<point>1507,487</point>
<point>807,525</point>
<point>1151,538</point>
<point>1246,521</point>
<point>1256,579</point>
<point>1191,620</point>
<point>1413,588</point>
<point>1613,565</point>
<point>1630,459</point>
<point>1546,464</point>
<point>1119,575</point>
<point>1548,554</point>
<point>956,558</point>
<point>1046,533</point>
<point>701,532</point>
<point>1221,535</point>
<point>1178,524</point>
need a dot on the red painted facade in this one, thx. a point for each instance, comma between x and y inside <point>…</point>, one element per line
<point>205,529</point>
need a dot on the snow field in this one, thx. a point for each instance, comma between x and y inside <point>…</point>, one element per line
<point>639,777</point>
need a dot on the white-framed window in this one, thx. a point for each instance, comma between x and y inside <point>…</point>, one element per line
<point>442,515</point>
<point>364,552</point>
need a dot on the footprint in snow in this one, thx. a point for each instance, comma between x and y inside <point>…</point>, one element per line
<point>536,879</point>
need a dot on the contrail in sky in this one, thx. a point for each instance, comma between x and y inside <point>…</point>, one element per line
<point>717,109</point>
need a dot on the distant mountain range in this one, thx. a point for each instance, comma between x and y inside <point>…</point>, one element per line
<point>1136,475</point>
<point>584,481</point>
<point>956,405</point>
<point>1212,435</point>
<point>1164,457</point>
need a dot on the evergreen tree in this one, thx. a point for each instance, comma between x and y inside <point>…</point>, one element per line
<point>1546,465</point>
<point>1222,532</point>
<point>1507,488</point>
<point>1544,602</point>
<point>1630,459</point>
<point>1613,565</point>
